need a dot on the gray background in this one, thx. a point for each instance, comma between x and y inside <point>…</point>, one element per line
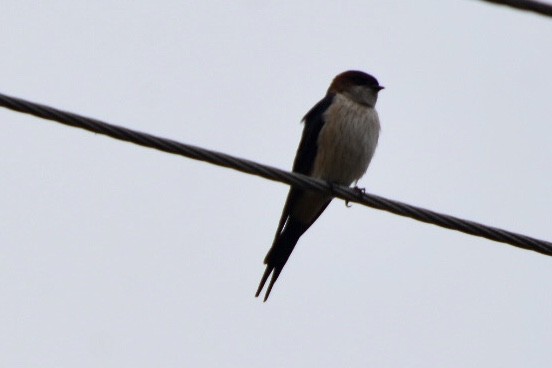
<point>114,255</point>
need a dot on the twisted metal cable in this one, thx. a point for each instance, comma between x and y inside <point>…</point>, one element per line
<point>529,5</point>
<point>268,172</point>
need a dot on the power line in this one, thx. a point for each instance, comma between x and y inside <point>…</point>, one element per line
<point>268,172</point>
<point>529,5</point>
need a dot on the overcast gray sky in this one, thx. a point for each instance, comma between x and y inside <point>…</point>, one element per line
<point>114,255</point>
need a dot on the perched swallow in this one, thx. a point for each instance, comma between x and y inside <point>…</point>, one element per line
<point>339,139</point>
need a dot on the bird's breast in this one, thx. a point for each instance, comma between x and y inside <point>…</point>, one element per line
<point>346,142</point>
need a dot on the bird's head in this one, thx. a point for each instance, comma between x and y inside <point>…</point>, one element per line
<point>358,86</point>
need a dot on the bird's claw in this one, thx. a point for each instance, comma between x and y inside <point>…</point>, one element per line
<point>359,191</point>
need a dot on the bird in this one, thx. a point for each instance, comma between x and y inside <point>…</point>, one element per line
<point>339,138</point>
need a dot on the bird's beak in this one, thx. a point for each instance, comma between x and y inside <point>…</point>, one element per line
<point>379,88</point>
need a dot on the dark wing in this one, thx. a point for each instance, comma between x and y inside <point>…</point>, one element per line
<point>314,121</point>
<point>306,153</point>
<point>285,239</point>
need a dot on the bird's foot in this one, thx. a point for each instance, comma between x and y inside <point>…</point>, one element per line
<point>359,191</point>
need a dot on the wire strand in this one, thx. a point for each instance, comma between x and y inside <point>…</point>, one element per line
<point>528,5</point>
<point>271,173</point>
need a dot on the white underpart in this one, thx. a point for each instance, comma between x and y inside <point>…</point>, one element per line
<point>347,141</point>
